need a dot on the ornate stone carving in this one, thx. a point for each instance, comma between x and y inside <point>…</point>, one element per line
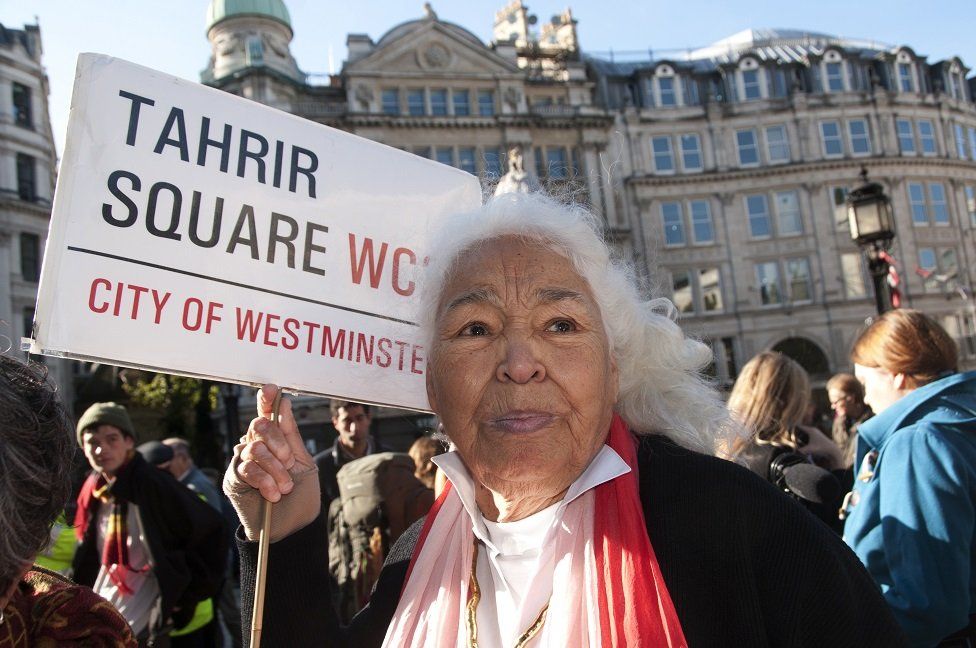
<point>436,56</point>
<point>512,97</point>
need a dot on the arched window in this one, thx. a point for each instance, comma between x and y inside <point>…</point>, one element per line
<point>751,80</point>
<point>807,354</point>
<point>834,72</point>
<point>667,87</point>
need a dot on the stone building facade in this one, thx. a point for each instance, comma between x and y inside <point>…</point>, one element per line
<point>27,172</point>
<point>721,172</point>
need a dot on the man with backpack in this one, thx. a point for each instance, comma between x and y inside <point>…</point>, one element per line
<point>351,421</point>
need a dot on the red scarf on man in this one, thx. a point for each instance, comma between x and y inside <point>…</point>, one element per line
<point>116,548</point>
<point>634,607</point>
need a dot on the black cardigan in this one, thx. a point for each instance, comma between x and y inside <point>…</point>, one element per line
<point>744,565</point>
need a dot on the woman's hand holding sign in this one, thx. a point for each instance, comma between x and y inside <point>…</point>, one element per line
<point>271,461</point>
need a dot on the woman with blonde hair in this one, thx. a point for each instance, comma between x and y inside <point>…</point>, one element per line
<point>769,399</point>
<point>912,513</point>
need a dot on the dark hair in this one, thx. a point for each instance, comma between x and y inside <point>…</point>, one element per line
<point>37,448</point>
<point>909,342</point>
<point>336,405</point>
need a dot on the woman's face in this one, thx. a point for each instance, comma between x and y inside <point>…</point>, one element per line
<point>520,368</point>
<point>881,387</point>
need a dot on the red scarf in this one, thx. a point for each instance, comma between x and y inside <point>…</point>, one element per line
<point>116,548</point>
<point>635,608</point>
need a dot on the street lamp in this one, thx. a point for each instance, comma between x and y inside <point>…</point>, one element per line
<point>873,228</point>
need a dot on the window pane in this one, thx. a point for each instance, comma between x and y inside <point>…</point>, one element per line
<point>748,152</point>
<point>971,205</point>
<point>711,290</point>
<point>462,102</point>
<point>701,222</point>
<point>415,102</point>
<point>777,144</point>
<point>905,77</point>
<point>767,276</point>
<point>391,101</point>
<point>860,140</point>
<point>466,159</point>
<point>906,137</point>
<point>556,163</point>
<point>926,135</point>
<point>832,143</point>
<point>30,256</point>
<point>681,292</point>
<point>788,213</point>
<point>438,102</point>
<point>22,106</point>
<point>486,103</point>
<point>422,151</point>
<point>948,263</point>
<point>835,77</point>
<point>492,161</point>
<point>940,212</point>
<point>750,84</point>
<point>916,198</point>
<point>674,227</point>
<point>759,226</point>
<point>665,86</point>
<point>663,160</point>
<point>961,143</point>
<point>26,178</point>
<point>691,158</point>
<point>798,275</point>
<point>839,199</point>
<point>854,287</point>
<point>444,155</point>
<point>972,142</point>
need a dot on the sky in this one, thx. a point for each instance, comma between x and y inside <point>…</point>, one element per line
<point>168,35</point>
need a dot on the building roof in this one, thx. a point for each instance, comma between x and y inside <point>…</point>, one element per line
<point>778,45</point>
<point>220,10</point>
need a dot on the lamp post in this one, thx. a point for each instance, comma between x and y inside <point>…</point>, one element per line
<point>231,393</point>
<point>873,228</point>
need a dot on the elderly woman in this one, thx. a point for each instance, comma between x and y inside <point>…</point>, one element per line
<point>912,513</point>
<point>582,508</point>
<point>39,607</point>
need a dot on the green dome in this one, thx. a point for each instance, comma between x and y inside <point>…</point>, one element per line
<point>221,10</point>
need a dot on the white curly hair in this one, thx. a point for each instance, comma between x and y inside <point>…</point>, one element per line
<point>662,389</point>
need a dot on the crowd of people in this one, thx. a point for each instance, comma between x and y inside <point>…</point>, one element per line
<point>589,486</point>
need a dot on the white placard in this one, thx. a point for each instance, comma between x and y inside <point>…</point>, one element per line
<point>198,233</point>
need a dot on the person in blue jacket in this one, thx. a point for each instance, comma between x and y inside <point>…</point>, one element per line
<point>912,514</point>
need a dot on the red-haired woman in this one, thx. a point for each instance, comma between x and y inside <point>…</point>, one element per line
<point>912,513</point>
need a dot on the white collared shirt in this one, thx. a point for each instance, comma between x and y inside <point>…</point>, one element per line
<point>514,572</point>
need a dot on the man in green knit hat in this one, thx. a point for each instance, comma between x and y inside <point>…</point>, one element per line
<point>147,544</point>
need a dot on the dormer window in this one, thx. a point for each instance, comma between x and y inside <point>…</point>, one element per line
<point>833,72</point>
<point>905,69</point>
<point>667,87</point>
<point>751,80</point>
<point>955,82</point>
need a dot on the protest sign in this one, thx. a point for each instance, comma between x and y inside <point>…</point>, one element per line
<point>199,233</point>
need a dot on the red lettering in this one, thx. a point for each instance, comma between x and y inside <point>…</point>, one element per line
<point>358,265</point>
<point>397,254</point>
<point>136,293</point>
<point>91,295</point>
<point>197,321</point>
<point>268,329</point>
<point>311,326</point>
<point>248,325</point>
<point>211,316</point>
<point>364,350</point>
<point>335,348</point>
<point>383,350</point>
<point>118,299</point>
<point>289,327</point>
<point>415,358</point>
<point>402,346</point>
<point>159,303</point>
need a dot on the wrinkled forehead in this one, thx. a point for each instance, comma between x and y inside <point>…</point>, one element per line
<point>510,267</point>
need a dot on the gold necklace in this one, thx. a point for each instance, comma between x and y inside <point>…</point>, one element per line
<point>474,597</point>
